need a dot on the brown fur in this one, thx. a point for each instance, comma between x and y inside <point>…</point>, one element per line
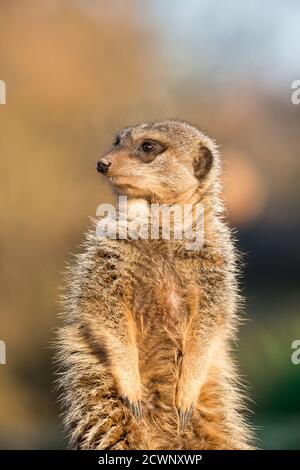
<point>149,320</point>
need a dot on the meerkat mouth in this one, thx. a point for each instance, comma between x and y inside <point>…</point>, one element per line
<point>118,184</point>
<point>125,183</point>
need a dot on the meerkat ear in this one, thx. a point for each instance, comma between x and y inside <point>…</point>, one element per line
<point>203,162</point>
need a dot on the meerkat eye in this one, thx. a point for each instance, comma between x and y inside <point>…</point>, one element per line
<point>148,146</point>
<point>149,149</point>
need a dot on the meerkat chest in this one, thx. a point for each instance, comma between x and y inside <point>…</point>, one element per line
<point>161,296</point>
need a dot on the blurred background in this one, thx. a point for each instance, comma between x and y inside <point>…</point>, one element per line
<point>75,72</point>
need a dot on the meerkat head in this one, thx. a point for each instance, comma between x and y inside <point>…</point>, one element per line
<point>160,162</point>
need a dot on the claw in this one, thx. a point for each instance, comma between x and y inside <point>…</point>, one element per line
<point>135,408</point>
<point>185,416</point>
<point>190,413</point>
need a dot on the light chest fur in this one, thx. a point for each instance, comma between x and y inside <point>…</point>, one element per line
<point>164,299</point>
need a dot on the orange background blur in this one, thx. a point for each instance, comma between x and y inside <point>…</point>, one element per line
<point>76,72</point>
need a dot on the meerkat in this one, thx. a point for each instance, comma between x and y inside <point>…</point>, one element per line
<point>145,349</point>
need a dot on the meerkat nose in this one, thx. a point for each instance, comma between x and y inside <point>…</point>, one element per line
<point>102,167</point>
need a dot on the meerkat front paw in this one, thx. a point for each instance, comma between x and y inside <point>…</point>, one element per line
<point>186,399</point>
<point>133,400</point>
<point>185,408</point>
<point>135,408</point>
<point>185,416</point>
<point>130,390</point>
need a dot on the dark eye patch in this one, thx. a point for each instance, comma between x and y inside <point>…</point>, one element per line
<point>149,149</point>
<point>117,140</point>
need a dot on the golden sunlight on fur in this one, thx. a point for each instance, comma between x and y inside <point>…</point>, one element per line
<point>148,325</point>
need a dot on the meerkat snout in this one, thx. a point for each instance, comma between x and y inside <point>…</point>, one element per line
<point>103,166</point>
